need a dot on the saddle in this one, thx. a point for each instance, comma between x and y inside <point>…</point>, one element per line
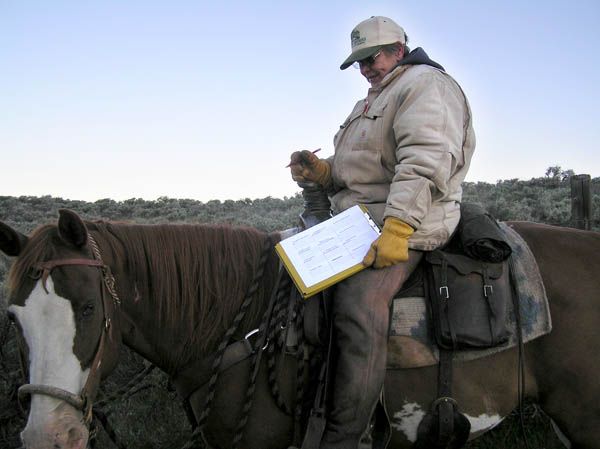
<point>466,285</point>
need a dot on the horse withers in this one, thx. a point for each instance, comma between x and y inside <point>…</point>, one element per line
<point>77,290</point>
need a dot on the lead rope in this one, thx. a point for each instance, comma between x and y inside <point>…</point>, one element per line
<point>102,418</point>
<point>128,389</point>
<point>122,393</point>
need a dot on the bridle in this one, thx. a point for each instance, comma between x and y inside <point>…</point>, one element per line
<point>84,400</point>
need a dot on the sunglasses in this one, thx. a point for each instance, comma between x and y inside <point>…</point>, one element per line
<point>367,61</point>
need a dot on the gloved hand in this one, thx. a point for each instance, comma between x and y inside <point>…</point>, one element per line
<point>392,245</point>
<point>305,166</point>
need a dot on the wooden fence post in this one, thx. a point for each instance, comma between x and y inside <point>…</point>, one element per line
<point>581,202</point>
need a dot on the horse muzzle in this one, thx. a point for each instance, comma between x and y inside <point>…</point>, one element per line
<point>60,428</point>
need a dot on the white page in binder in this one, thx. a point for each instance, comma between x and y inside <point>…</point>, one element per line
<point>332,246</point>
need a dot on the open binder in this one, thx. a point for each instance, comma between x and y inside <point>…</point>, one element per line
<point>330,251</point>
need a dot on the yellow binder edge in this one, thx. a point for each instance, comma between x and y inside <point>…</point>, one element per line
<point>307,292</point>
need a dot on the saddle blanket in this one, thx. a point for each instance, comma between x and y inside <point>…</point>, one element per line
<point>411,342</point>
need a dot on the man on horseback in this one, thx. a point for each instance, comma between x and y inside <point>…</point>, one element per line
<point>403,152</point>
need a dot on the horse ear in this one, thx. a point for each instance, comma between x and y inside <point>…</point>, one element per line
<point>71,228</point>
<point>11,242</point>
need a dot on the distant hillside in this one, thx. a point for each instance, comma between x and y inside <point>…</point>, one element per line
<point>545,199</point>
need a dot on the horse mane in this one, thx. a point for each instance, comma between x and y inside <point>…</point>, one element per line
<point>197,276</point>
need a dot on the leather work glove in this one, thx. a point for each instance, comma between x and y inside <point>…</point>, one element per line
<point>305,166</point>
<point>392,245</point>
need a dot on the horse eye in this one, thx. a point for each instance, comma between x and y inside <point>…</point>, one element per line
<point>88,310</point>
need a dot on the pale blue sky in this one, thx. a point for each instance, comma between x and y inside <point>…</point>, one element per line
<point>186,99</point>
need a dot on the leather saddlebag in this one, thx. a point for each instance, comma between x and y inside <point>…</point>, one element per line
<point>468,300</point>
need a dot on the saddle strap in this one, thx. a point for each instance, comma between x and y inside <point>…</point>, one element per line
<point>447,304</point>
<point>521,351</point>
<point>488,293</point>
<point>445,404</point>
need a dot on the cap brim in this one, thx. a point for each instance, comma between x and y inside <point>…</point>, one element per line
<point>359,55</point>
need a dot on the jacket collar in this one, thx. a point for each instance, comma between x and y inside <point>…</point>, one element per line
<point>416,57</point>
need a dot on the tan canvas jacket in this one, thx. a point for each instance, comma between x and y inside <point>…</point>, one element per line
<point>404,151</point>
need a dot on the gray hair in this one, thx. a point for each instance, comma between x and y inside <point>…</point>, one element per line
<point>391,49</point>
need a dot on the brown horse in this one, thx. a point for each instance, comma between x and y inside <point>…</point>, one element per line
<point>79,289</point>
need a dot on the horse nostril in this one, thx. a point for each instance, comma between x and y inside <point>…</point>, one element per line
<point>75,439</point>
<point>57,442</point>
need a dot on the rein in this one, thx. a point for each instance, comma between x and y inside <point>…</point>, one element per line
<point>82,401</point>
<point>198,438</point>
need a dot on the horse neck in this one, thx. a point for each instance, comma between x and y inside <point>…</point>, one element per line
<point>169,343</point>
<point>145,333</point>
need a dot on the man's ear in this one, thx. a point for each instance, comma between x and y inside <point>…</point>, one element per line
<point>402,52</point>
<point>11,242</point>
<point>71,228</point>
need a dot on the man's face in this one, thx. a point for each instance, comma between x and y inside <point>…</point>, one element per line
<point>375,69</point>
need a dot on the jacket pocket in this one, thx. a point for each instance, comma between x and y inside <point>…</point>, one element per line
<point>369,135</point>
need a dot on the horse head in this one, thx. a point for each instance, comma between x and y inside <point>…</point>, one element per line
<point>63,306</point>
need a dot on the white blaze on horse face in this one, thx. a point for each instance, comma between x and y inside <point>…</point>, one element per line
<point>48,324</point>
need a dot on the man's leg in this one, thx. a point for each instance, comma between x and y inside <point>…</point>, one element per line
<point>361,323</point>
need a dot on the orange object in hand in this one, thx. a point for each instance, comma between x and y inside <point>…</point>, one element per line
<point>305,166</point>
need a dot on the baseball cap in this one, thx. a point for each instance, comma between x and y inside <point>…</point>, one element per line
<point>370,35</point>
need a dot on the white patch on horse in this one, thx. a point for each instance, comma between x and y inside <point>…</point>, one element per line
<point>483,422</point>
<point>407,420</point>
<point>48,324</point>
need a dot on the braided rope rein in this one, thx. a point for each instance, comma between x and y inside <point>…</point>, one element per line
<point>109,279</point>
<point>277,327</point>
<point>281,294</point>
<point>197,438</point>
